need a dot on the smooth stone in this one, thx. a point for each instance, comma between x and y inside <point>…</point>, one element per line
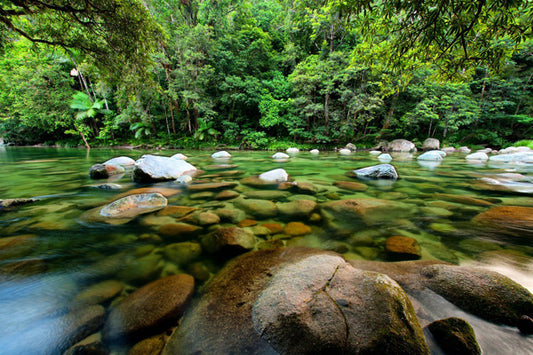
<point>215,186</point>
<point>273,227</point>
<point>350,185</point>
<point>232,215</point>
<point>165,191</point>
<point>351,147</point>
<point>276,175</point>
<point>122,160</point>
<point>299,209</point>
<point>297,228</point>
<point>228,241</point>
<point>381,171</point>
<point>345,151</point>
<point>375,152</point>
<point>221,155</point>
<point>176,211</point>
<point>385,157</point>
<point>448,150</point>
<point>150,309</point>
<point>226,195</point>
<point>464,150</point>
<point>292,150</point>
<point>247,223</point>
<point>205,218</point>
<point>306,188</point>
<point>258,208</point>
<point>107,186</point>
<point>182,230</point>
<point>314,151</point>
<point>99,293</point>
<point>280,156</point>
<point>273,195</point>
<point>401,145</point>
<point>182,253</point>
<point>481,156</point>
<point>18,246</point>
<point>205,195</point>
<point>514,221</point>
<point>179,156</point>
<point>400,248</point>
<point>133,205</point>
<point>184,179</point>
<point>431,144</point>
<point>140,270</point>
<point>432,155</point>
<point>151,346</point>
<point>455,336</point>
<point>92,345</point>
<point>155,168</point>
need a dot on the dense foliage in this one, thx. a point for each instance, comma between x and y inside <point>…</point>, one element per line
<point>265,73</point>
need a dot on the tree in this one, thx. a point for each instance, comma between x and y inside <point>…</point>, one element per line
<point>118,34</point>
<point>86,108</point>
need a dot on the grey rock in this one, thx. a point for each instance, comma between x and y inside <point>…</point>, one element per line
<point>381,171</point>
<point>155,168</point>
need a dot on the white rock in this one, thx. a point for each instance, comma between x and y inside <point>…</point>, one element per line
<point>464,150</point>
<point>122,161</point>
<point>448,150</point>
<point>477,156</point>
<point>433,155</point>
<point>292,150</point>
<point>345,151</point>
<point>276,175</point>
<point>385,157</point>
<point>351,146</point>
<point>179,156</point>
<point>401,145</point>
<point>431,144</point>
<point>280,155</point>
<point>156,168</point>
<point>184,179</point>
<point>382,171</point>
<point>524,158</point>
<point>221,155</point>
<point>375,152</point>
<point>314,151</point>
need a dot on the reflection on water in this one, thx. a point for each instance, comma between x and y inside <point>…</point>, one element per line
<point>49,253</point>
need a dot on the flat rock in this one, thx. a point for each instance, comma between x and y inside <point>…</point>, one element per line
<point>181,230</point>
<point>150,309</point>
<point>100,293</point>
<point>258,208</point>
<point>299,209</point>
<point>273,195</point>
<point>297,228</point>
<point>155,168</point>
<point>226,195</point>
<point>214,186</point>
<point>176,211</point>
<point>134,205</point>
<point>233,215</point>
<point>514,221</point>
<point>352,186</point>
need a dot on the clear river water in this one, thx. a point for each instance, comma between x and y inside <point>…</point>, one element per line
<point>65,252</point>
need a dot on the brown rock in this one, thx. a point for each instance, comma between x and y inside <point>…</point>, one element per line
<point>179,230</point>
<point>23,268</point>
<point>150,309</point>
<point>205,218</point>
<point>215,186</point>
<point>15,247</point>
<point>229,241</point>
<point>299,209</point>
<point>297,228</point>
<point>509,220</point>
<point>465,200</point>
<point>100,293</point>
<point>258,208</point>
<point>150,346</point>
<point>176,211</point>
<point>149,190</point>
<point>255,181</point>
<point>455,336</point>
<point>274,227</point>
<point>227,195</point>
<point>352,186</point>
<point>306,188</point>
<point>247,223</point>
<point>402,248</point>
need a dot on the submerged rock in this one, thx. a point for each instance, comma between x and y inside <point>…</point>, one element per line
<point>229,241</point>
<point>15,202</point>
<point>508,220</point>
<point>381,171</point>
<point>155,168</point>
<point>150,309</point>
<point>258,208</point>
<point>330,307</point>
<point>455,336</point>
<point>402,248</point>
<point>299,209</point>
<point>350,185</point>
<point>134,205</point>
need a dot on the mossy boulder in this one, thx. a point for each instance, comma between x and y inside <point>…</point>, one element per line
<point>515,221</point>
<point>455,336</point>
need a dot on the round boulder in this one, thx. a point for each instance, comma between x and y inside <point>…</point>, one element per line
<point>276,175</point>
<point>150,309</point>
<point>122,160</point>
<point>432,155</point>
<point>280,156</point>
<point>103,171</point>
<point>155,168</point>
<point>401,145</point>
<point>221,155</point>
<point>431,144</point>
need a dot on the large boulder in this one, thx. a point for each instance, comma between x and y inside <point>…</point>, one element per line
<point>298,301</point>
<point>431,144</point>
<point>432,155</point>
<point>155,168</point>
<point>401,145</point>
<point>150,309</point>
<point>134,205</point>
<point>381,171</point>
<point>351,146</point>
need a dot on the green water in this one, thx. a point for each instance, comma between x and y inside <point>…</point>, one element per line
<point>67,254</point>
